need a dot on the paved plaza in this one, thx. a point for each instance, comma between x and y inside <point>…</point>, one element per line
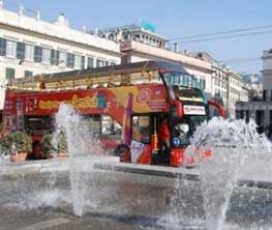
<point>38,196</point>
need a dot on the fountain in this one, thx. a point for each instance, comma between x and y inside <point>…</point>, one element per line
<point>81,146</point>
<point>234,144</point>
<point>135,201</point>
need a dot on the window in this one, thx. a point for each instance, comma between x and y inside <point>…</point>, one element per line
<point>11,49</point>
<point>3,47</point>
<point>202,83</point>
<point>54,57</point>
<point>39,125</point>
<point>62,57</point>
<point>46,56</point>
<point>29,52</point>
<point>110,127</point>
<point>70,61</point>
<point>20,51</point>
<point>78,62</point>
<point>10,73</point>
<point>90,62</point>
<point>92,123</point>
<point>186,80</point>
<point>38,54</point>
<point>264,96</point>
<point>28,74</point>
<point>82,62</point>
<point>100,63</point>
<point>141,129</point>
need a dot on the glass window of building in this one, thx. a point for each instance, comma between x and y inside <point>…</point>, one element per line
<point>54,57</point>
<point>46,56</point>
<point>270,95</point>
<point>202,83</point>
<point>11,49</point>
<point>28,74</point>
<point>20,50</point>
<point>10,73</point>
<point>70,62</point>
<point>38,54</point>
<point>186,80</point>
<point>3,47</point>
<point>62,57</point>
<point>83,62</point>
<point>90,62</point>
<point>78,60</point>
<point>100,63</point>
<point>29,52</point>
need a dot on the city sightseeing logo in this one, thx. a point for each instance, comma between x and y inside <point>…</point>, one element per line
<point>143,96</point>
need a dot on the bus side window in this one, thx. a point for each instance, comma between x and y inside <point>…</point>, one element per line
<point>141,129</point>
<point>110,127</point>
<point>93,124</point>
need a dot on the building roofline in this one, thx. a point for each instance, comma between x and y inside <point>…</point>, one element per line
<point>42,35</point>
<point>132,28</point>
<point>38,26</point>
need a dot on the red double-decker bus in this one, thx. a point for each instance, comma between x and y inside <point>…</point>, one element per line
<point>145,111</point>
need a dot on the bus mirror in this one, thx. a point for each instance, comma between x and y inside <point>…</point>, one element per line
<point>218,107</point>
<point>178,108</point>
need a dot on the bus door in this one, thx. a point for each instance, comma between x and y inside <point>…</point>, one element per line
<point>140,148</point>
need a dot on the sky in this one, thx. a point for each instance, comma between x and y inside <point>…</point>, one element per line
<point>175,19</point>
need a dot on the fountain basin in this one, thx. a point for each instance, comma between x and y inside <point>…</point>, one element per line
<point>253,174</point>
<point>141,196</point>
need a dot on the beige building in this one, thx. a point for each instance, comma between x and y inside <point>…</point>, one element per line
<point>225,84</point>
<point>29,46</point>
<point>235,92</point>
<point>261,110</point>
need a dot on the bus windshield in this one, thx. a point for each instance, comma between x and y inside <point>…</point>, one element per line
<point>186,89</point>
<point>185,127</point>
<point>181,79</point>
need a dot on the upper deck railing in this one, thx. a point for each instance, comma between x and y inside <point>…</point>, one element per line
<point>127,74</point>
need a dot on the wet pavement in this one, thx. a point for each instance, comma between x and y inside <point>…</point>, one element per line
<point>12,219</point>
<point>32,198</point>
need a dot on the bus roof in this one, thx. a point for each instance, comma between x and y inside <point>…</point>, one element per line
<point>129,68</point>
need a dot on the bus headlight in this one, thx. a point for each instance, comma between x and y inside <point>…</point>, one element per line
<point>176,142</point>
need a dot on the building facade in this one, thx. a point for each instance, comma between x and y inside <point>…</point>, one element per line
<point>226,85</point>
<point>30,46</point>
<point>235,92</point>
<point>260,110</point>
